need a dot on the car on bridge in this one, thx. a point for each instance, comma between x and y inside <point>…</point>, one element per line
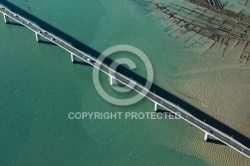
<point>91,61</point>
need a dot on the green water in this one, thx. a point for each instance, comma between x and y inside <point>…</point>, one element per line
<point>39,86</point>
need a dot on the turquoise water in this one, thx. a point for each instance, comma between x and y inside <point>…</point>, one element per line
<point>39,86</point>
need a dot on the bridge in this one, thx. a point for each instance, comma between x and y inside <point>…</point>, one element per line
<point>156,99</point>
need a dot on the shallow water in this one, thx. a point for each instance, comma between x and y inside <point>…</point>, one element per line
<point>40,86</point>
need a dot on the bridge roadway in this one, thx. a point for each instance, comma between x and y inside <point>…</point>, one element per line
<point>132,84</point>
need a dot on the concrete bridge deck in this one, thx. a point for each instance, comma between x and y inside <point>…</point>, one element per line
<point>209,130</point>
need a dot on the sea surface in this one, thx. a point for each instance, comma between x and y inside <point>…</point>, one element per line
<point>39,87</point>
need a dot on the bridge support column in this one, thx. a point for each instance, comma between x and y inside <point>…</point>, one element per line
<point>206,136</point>
<point>156,107</point>
<point>37,37</point>
<point>6,18</point>
<point>112,80</point>
<point>73,58</point>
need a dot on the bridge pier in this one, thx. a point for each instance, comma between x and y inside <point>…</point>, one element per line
<point>206,136</point>
<point>73,58</point>
<point>6,19</point>
<point>112,80</point>
<point>37,37</point>
<point>156,107</point>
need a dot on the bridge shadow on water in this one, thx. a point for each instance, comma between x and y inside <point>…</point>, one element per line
<point>164,112</point>
<point>46,42</point>
<point>82,63</point>
<point>215,141</point>
<point>130,74</point>
<point>15,23</point>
